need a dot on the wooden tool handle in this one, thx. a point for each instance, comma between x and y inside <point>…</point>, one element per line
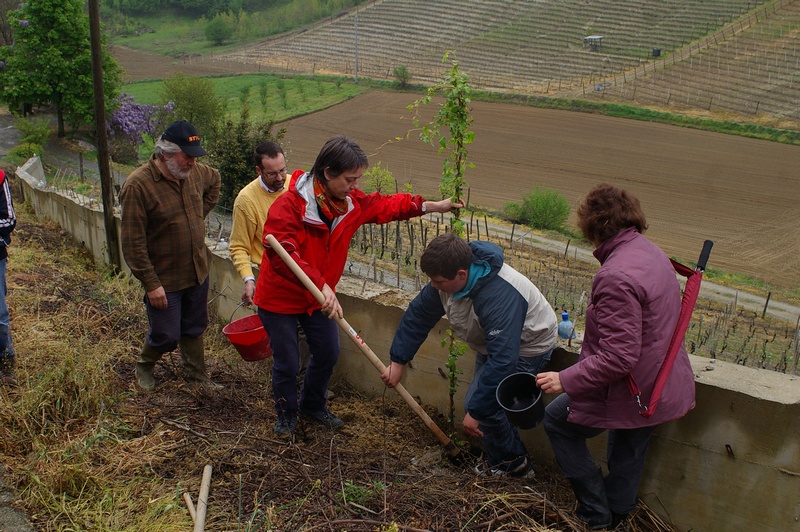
<point>449,446</point>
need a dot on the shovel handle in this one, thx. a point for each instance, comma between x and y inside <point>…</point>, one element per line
<point>449,446</point>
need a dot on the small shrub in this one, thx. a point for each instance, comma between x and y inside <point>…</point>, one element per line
<point>244,95</point>
<point>541,209</point>
<point>513,212</point>
<point>402,75</point>
<point>23,152</point>
<point>34,130</point>
<point>219,29</point>
<point>379,179</point>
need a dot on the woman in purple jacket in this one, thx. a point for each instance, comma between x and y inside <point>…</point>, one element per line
<point>630,319</point>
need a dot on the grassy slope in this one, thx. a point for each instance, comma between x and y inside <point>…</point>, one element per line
<point>304,95</point>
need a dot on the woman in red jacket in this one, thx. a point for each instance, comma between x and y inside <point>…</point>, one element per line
<point>630,320</point>
<point>315,221</point>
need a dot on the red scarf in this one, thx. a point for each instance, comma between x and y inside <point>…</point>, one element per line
<point>329,206</point>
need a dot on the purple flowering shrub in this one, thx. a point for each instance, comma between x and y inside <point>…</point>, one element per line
<point>129,124</point>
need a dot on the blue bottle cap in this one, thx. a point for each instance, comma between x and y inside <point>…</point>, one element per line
<point>565,316</point>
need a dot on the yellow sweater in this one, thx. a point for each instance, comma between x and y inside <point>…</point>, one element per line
<point>249,215</point>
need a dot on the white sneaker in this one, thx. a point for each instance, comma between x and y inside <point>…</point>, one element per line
<point>523,470</point>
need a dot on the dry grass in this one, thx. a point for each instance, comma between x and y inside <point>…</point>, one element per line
<point>86,451</point>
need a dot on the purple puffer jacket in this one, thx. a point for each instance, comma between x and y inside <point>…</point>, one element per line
<point>629,322</point>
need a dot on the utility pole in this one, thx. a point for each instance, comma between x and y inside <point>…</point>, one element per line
<point>102,138</point>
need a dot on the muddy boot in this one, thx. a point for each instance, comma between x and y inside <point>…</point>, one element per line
<point>194,363</point>
<point>7,370</point>
<point>590,490</point>
<point>144,368</point>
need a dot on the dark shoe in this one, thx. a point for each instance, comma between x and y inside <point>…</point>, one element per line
<point>518,468</point>
<point>7,371</point>
<point>590,490</point>
<point>618,521</point>
<point>285,427</point>
<point>324,417</point>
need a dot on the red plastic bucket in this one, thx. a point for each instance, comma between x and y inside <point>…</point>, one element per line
<point>249,338</point>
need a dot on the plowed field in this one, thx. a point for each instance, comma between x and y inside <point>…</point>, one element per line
<point>693,185</point>
<point>741,193</point>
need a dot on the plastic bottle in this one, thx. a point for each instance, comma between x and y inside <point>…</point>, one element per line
<point>566,327</point>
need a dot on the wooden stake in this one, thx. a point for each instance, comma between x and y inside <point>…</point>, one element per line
<point>202,500</point>
<point>190,506</point>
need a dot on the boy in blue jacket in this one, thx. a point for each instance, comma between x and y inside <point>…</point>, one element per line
<point>500,314</point>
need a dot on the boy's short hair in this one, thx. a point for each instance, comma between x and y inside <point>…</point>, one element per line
<point>445,255</point>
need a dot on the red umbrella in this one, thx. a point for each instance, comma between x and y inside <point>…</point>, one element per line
<point>690,292</point>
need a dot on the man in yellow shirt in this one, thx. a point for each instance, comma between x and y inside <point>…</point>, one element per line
<point>250,212</point>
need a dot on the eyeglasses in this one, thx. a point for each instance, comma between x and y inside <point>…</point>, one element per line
<point>274,175</point>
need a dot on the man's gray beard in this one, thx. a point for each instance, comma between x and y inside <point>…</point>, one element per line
<point>175,168</point>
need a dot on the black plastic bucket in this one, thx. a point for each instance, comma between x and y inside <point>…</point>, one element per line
<point>521,399</point>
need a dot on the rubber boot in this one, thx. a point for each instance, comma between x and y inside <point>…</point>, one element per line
<point>194,363</point>
<point>144,368</point>
<point>590,490</point>
<point>7,364</point>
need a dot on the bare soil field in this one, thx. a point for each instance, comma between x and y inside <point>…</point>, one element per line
<point>694,185</point>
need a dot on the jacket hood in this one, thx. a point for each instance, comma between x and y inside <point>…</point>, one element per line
<point>485,253</point>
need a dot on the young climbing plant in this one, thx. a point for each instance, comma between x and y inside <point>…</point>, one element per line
<point>449,129</point>
<point>456,349</point>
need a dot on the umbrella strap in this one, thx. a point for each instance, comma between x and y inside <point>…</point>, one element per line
<point>636,393</point>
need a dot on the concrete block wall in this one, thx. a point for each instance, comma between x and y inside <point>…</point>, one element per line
<point>733,463</point>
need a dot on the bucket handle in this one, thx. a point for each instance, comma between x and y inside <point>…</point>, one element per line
<point>234,310</point>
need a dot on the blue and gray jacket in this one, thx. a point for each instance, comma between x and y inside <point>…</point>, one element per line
<point>500,313</point>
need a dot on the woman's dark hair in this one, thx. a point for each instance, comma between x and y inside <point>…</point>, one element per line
<point>445,255</point>
<point>606,210</point>
<point>338,155</point>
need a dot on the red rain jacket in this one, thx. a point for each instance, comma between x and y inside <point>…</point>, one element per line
<point>321,252</point>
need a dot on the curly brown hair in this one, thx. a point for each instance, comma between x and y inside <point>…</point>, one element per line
<point>606,210</point>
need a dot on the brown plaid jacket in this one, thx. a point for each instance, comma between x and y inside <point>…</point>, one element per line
<point>163,226</point>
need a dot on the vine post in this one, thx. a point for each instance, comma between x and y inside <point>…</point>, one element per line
<point>449,130</point>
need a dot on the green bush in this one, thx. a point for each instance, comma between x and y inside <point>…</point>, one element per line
<point>513,212</point>
<point>379,179</point>
<point>23,152</point>
<point>541,209</point>
<point>34,130</point>
<point>219,29</point>
<point>402,75</point>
